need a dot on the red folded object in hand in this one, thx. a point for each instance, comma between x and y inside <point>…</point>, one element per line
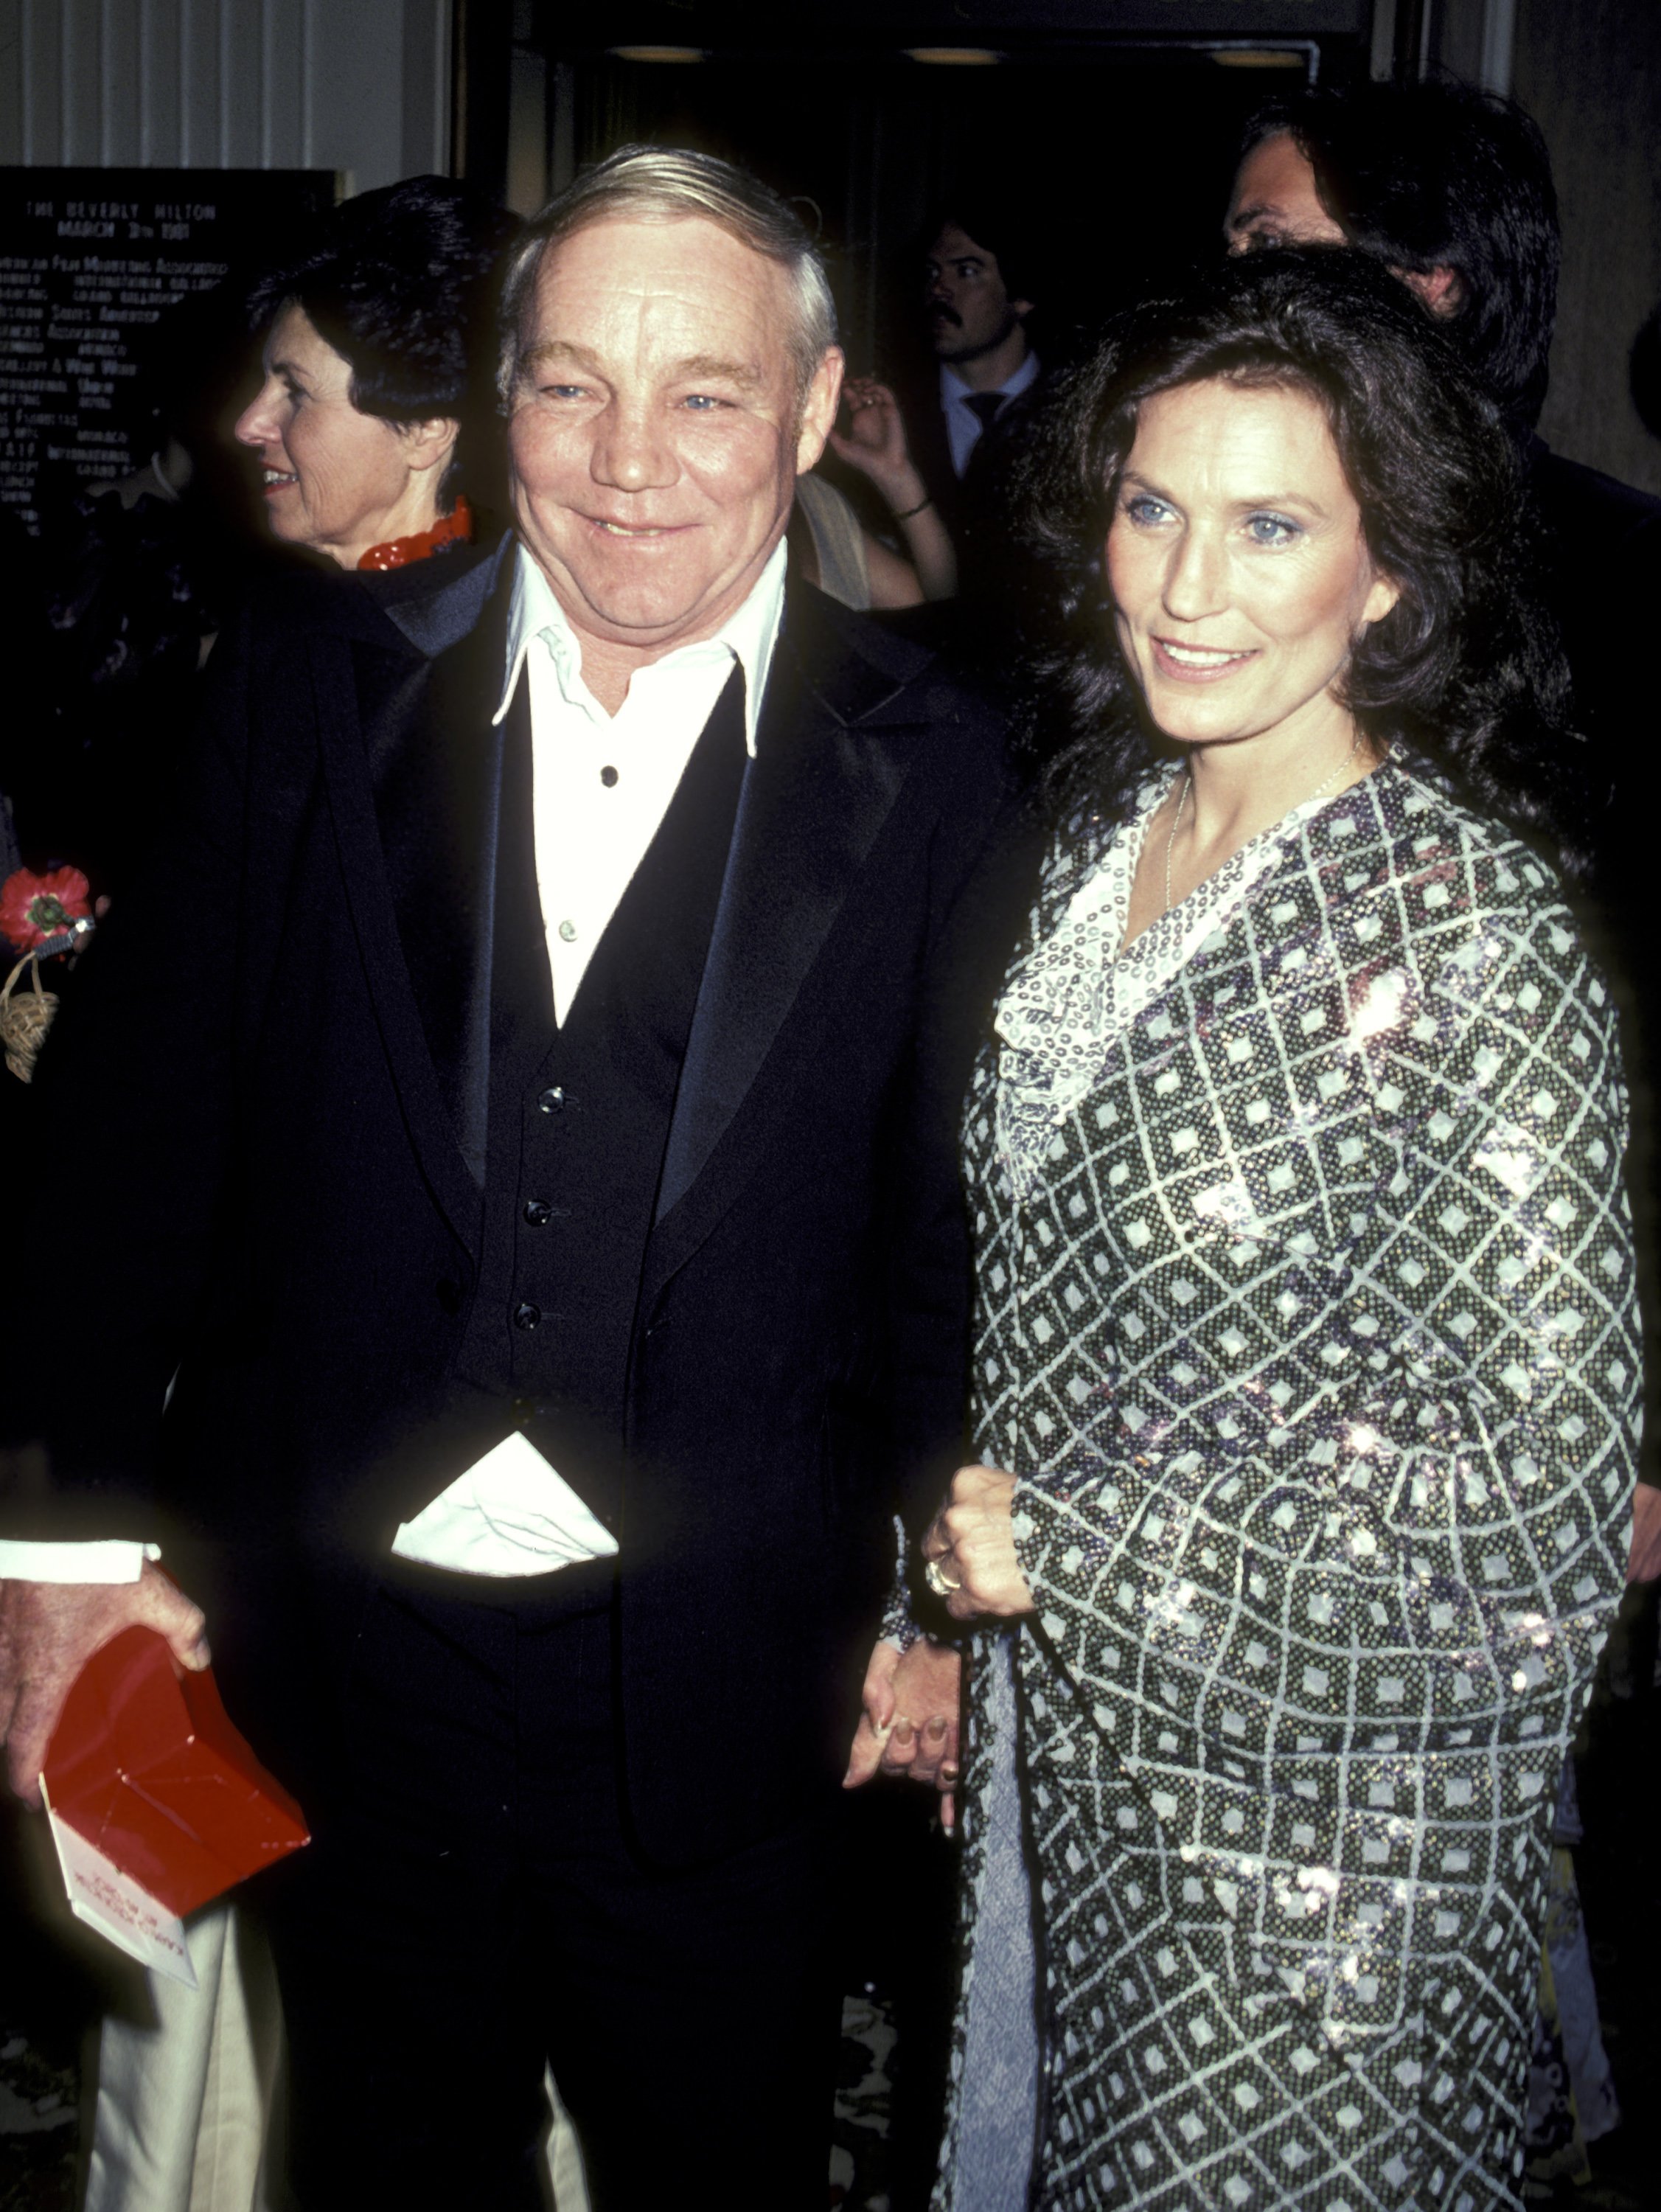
<point>157,1804</point>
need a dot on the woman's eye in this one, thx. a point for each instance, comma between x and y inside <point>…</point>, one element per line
<point>1272,530</point>
<point>1145,511</point>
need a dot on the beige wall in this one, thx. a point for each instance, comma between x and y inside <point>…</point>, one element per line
<point>1590,73</point>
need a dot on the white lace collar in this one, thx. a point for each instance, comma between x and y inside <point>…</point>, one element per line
<point>1079,987</point>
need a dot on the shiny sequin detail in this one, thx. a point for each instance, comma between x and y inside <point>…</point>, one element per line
<point>1306,1318</point>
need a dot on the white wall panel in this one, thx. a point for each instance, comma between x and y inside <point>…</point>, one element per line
<point>282,121</point>
<point>242,83</point>
<point>158,83</point>
<point>427,31</point>
<point>11,80</point>
<point>43,81</point>
<point>120,131</point>
<point>357,85</point>
<point>357,101</point>
<point>198,85</point>
<point>81,79</point>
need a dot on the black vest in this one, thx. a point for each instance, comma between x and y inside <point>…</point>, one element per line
<point>580,1115</point>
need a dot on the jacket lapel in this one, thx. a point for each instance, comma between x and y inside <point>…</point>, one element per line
<point>814,798</point>
<point>413,768</point>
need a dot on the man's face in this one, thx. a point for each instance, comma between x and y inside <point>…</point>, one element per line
<point>969,309</point>
<point>1275,201</point>
<point>656,433</point>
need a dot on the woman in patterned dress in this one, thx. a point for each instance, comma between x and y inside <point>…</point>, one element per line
<point>1306,1375</point>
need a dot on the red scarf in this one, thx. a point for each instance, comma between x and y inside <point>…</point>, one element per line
<point>399,552</point>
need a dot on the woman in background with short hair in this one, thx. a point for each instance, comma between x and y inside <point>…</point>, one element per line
<point>377,397</point>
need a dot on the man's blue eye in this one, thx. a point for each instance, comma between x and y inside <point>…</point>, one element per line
<point>562,392</point>
<point>1273,530</point>
<point>703,403</point>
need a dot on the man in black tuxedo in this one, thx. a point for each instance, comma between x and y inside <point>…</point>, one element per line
<point>516,1131</point>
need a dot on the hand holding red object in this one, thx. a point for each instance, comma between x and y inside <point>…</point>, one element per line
<point>145,1767</point>
<point>34,908</point>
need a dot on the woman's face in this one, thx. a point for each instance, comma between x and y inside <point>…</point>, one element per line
<point>336,480</point>
<point>1239,574</point>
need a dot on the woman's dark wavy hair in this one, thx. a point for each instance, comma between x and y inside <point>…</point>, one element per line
<point>401,283</point>
<point>1466,668</point>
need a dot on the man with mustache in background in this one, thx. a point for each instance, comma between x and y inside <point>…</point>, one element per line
<point>976,327</point>
<point>965,425</point>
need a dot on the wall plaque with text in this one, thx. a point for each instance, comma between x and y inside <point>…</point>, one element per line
<point>92,262</point>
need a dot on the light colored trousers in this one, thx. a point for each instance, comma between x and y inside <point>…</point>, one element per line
<point>183,2118</point>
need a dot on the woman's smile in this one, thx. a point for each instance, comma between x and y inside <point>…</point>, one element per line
<point>1202,664</point>
<point>1239,570</point>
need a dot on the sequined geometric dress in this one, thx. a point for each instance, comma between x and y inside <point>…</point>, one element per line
<point>1305,1321</point>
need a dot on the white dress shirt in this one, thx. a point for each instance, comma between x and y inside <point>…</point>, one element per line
<point>963,425</point>
<point>601,785</point>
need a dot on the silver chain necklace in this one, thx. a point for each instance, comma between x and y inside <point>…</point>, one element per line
<point>1319,792</point>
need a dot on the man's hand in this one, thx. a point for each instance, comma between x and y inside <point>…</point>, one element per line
<point>48,1631</point>
<point>909,1723</point>
<point>970,1549</point>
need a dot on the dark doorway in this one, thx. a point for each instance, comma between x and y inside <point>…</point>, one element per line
<point>1121,150</point>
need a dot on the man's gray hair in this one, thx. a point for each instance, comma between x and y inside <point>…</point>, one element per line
<point>654,184</point>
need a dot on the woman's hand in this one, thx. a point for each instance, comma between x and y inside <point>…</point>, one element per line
<point>875,443</point>
<point>970,1548</point>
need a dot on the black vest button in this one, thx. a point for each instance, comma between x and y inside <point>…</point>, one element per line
<point>526,1316</point>
<point>554,1101</point>
<point>538,1213</point>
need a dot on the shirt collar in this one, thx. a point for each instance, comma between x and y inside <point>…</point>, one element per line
<point>952,385</point>
<point>747,636</point>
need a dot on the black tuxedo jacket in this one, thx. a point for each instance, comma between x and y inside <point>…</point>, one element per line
<point>261,1124</point>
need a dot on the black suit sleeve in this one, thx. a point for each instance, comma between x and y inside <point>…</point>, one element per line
<point>129,1127</point>
<point>986,854</point>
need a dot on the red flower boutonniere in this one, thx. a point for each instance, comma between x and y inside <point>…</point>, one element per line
<point>34,908</point>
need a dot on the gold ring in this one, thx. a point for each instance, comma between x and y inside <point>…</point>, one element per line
<point>934,1575</point>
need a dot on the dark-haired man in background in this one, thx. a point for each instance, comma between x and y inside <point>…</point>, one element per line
<point>966,422</point>
<point>1452,188</point>
<point>977,323</point>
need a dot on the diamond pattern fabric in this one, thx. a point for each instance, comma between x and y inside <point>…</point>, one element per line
<point>1307,1323</point>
